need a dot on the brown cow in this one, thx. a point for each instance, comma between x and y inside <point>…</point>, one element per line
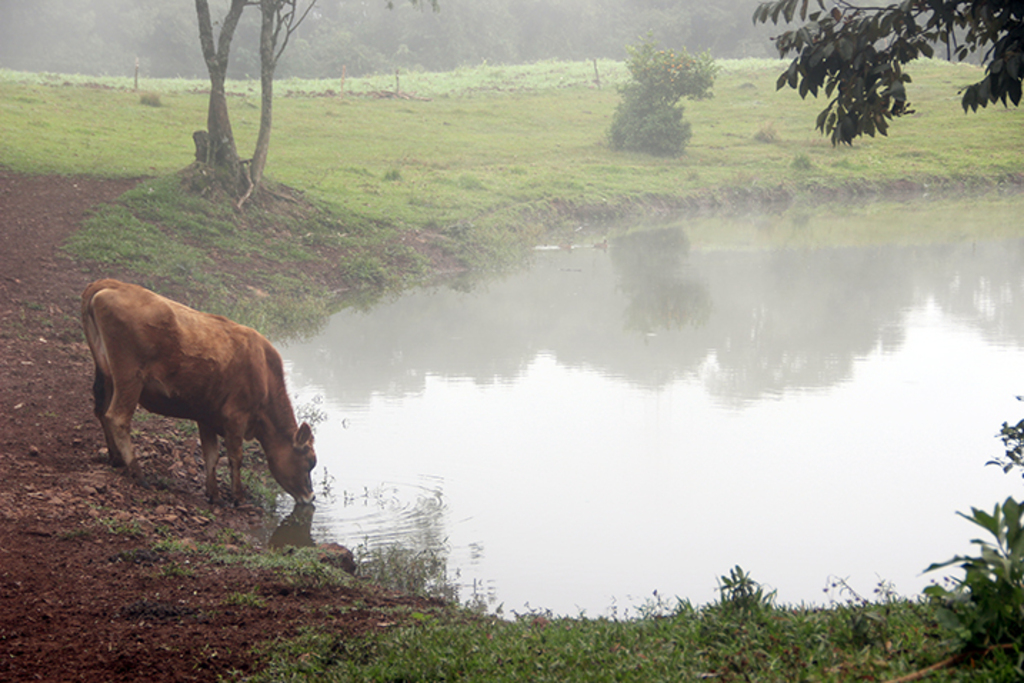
<point>175,361</point>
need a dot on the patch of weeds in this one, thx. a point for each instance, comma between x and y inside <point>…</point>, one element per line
<point>251,599</point>
<point>801,162</point>
<point>392,175</point>
<point>367,270</point>
<point>128,527</point>
<point>299,566</point>
<point>174,545</point>
<point>228,536</point>
<point>150,99</point>
<point>767,133</point>
<point>74,534</point>
<point>467,181</point>
<point>173,570</point>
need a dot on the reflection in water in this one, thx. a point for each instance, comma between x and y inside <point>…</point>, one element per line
<point>750,324</point>
<point>608,424</point>
<point>295,529</point>
<point>649,264</point>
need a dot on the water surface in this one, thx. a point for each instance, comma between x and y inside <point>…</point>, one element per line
<point>607,423</point>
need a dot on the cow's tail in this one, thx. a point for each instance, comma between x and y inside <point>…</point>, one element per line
<point>94,338</point>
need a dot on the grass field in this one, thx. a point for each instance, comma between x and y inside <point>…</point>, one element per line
<point>502,145</point>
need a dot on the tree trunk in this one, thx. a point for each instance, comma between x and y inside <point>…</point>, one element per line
<point>268,64</point>
<point>220,151</point>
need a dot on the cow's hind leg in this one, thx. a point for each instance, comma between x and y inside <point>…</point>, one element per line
<point>102,390</point>
<point>211,454</point>
<point>233,444</point>
<point>117,422</point>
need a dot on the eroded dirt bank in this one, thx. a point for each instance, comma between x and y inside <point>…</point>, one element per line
<point>82,595</point>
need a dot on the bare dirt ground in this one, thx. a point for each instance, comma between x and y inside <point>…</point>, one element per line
<point>82,595</point>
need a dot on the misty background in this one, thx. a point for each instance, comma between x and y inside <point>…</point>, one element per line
<point>104,37</point>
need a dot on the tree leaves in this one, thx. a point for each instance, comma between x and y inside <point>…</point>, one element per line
<point>856,55</point>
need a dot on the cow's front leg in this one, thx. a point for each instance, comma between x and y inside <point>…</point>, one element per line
<point>211,454</point>
<point>233,444</point>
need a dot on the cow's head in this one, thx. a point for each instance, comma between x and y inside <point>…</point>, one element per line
<point>292,466</point>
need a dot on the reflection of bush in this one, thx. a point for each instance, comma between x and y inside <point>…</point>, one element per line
<point>649,264</point>
<point>668,305</point>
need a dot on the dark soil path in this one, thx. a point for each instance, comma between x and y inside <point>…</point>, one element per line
<point>82,595</point>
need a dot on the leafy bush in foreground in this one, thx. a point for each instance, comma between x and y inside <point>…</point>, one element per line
<point>986,607</point>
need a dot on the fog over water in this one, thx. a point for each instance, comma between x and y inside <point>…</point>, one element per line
<point>604,424</point>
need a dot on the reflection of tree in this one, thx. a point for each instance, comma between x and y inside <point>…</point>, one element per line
<point>782,320</point>
<point>649,265</point>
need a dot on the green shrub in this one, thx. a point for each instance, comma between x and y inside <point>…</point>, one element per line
<point>986,607</point>
<point>650,127</point>
<point>648,120</point>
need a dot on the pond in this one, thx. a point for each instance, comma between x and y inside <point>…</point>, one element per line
<point>610,422</point>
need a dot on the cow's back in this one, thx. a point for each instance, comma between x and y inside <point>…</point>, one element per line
<point>192,364</point>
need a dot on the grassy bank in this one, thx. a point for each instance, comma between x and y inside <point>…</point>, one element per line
<point>742,637</point>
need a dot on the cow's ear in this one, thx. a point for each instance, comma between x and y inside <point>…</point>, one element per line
<point>304,437</point>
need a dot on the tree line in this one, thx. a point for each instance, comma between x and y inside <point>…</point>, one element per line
<point>104,37</point>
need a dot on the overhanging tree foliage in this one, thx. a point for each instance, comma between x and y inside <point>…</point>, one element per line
<point>856,54</point>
